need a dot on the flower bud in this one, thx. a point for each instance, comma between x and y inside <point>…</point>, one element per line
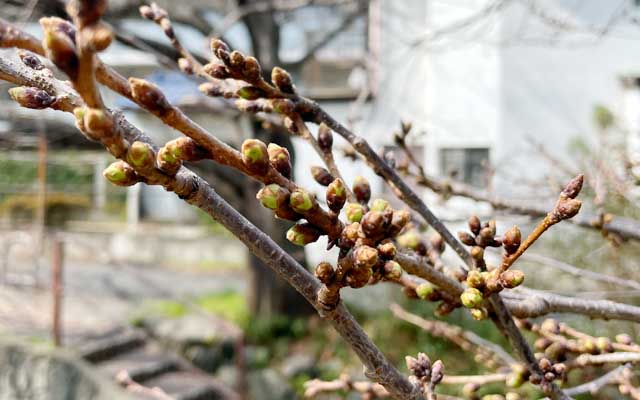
<point>97,122</point>
<point>325,138</point>
<point>604,344</point>
<point>272,196</point>
<point>101,36</point>
<point>409,240</point>
<point>167,162</point>
<point>302,234</point>
<point>566,209</point>
<point>141,156</point>
<point>437,243</point>
<point>372,224</point>
<point>399,220</point>
<point>511,240</point>
<point>365,256</point>
<point>59,46</point>
<point>251,70</point>
<point>280,159</point>
<point>354,212</point>
<point>321,175</point>
<point>475,279</point>
<point>437,370</point>
<point>30,97</point>
<point>474,224</point>
<point>336,195</point>
<point>301,201</point>
<point>425,290</point>
<point>380,205</point>
<point>282,80</point>
<point>120,173</point>
<point>250,93</point>
<point>283,106</point>
<point>185,66</point>
<point>31,60</point>
<point>149,96</point>
<point>255,156</point>
<point>479,314</point>
<point>466,238</point>
<point>236,59</point>
<point>491,224</point>
<point>471,298</point>
<point>387,250</point>
<point>485,237</point>
<point>325,272</point>
<point>392,270</point>
<point>349,235</point>
<point>358,277</point>
<point>512,278</point>
<point>217,44</point>
<point>362,189</point>
<point>573,187</point>
<point>624,338</point>
<point>216,70</point>
<point>550,325</point>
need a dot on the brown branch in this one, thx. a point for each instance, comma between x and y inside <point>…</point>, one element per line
<point>584,360</point>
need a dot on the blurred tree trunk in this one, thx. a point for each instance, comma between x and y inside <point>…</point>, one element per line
<point>268,293</point>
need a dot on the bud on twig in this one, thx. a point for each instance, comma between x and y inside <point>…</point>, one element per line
<point>437,370</point>
<point>362,189</point>
<point>30,97</point>
<point>392,270</point>
<point>358,277</point>
<point>475,279</point>
<point>512,278</point>
<point>325,272</point>
<point>280,159</point>
<point>365,256</point>
<point>511,240</point>
<point>97,122</point>
<point>149,95</point>
<point>141,156</point>
<point>120,173</point>
<point>59,43</point>
<point>255,156</point>
<point>354,212</point>
<point>273,196</point>
<point>325,138</point>
<point>479,314</point>
<point>216,70</point>
<point>380,205</point>
<point>321,175</point>
<point>372,224</point>
<point>185,66</point>
<point>425,290</point>
<point>437,243</point>
<point>471,298</point>
<point>251,70</point>
<point>387,249</point>
<point>283,106</point>
<point>302,234</point>
<point>349,235</point>
<point>574,187</point>
<point>282,80</point>
<point>399,220</point>
<point>466,238</point>
<point>336,195</point>
<point>301,201</point>
<point>251,93</point>
<point>474,224</point>
<point>409,240</point>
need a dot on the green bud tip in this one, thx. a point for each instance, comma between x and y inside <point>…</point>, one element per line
<point>379,205</point>
<point>424,290</point>
<point>140,154</point>
<point>354,212</point>
<point>301,201</point>
<point>268,196</point>
<point>478,314</point>
<point>471,298</point>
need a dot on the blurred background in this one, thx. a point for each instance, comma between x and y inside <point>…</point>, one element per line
<point>507,99</point>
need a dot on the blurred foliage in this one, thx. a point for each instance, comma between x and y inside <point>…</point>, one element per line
<point>59,207</point>
<point>26,172</point>
<point>603,117</point>
<point>230,305</point>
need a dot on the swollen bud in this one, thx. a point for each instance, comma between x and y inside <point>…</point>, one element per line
<point>251,70</point>
<point>321,175</point>
<point>425,290</point>
<point>301,201</point>
<point>437,370</point>
<point>141,156</point>
<point>302,234</point>
<point>30,97</point>
<point>282,80</point>
<point>437,243</point>
<point>512,278</point>
<point>475,279</point>
<point>573,187</point>
<point>474,224</point>
<point>272,196</point>
<point>325,272</point>
<point>354,212</point>
<point>349,235</point>
<point>380,205</point>
<point>409,240</point>
<point>148,95</point>
<point>471,298</point>
<point>216,70</point>
<point>255,156</point>
<point>399,220</point>
<point>283,106</point>
<point>336,195</point>
<point>250,93</point>
<point>325,138</point>
<point>479,314</point>
<point>466,238</point>
<point>511,240</point>
<point>365,256</point>
<point>280,159</point>
<point>372,224</point>
<point>362,189</point>
<point>59,45</point>
<point>387,249</point>
<point>358,277</point>
<point>120,173</point>
<point>566,209</point>
<point>392,270</point>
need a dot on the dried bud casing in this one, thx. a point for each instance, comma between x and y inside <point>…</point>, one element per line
<point>354,212</point>
<point>511,240</point>
<point>280,159</point>
<point>149,96</point>
<point>120,173</point>
<point>282,80</point>
<point>471,298</point>
<point>30,97</point>
<point>362,189</point>
<point>141,156</point>
<point>387,249</point>
<point>302,234</point>
<point>301,201</point>
<point>336,195</point>
<point>325,272</point>
<point>466,238</point>
<point>321,175</point>
<point>255,156</point>
<point>325,138</point>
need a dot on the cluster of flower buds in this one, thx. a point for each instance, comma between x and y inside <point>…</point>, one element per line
<point>423,372</point>
<point>481,235</point>
<point>550,372</point>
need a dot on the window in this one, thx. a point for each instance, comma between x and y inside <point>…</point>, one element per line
<point>466,165</point>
